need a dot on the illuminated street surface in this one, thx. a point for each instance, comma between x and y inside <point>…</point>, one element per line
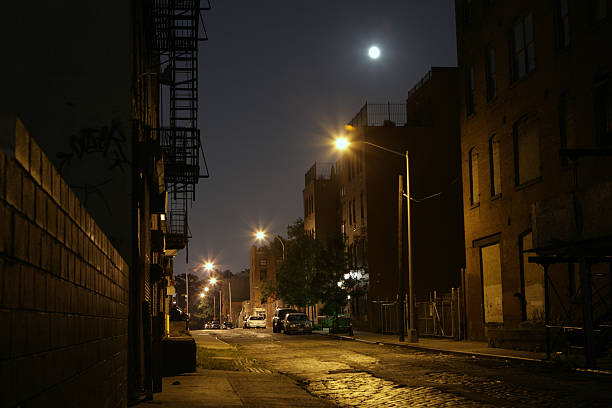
<point>351,373</point>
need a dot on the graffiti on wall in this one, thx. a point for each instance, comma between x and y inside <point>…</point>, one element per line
<point>108,141</point>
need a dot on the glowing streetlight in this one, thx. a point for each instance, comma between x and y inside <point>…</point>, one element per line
<point>206,289</point>
<point>209,266</point>
<point>342,143</point>
<point>201,295</point>
<point>259,235</point>
<point>213,281</point>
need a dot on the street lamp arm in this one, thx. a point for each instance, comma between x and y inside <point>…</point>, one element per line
<point>282,244</point>
<point>383,148</point>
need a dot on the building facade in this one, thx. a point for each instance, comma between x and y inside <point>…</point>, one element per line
<point>321,200</point>
<point>262,279</point>
<point>91,102</point>
<point>427,127</point>
<point>535,81</point>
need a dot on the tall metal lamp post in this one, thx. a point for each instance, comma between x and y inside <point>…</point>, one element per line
<point>260,235</point>
<point>343,143</point>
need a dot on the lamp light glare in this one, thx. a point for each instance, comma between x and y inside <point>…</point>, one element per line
<point>342,143</point>
<point>260,235</point>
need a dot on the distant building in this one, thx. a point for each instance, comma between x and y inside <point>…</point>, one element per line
<point>427,127</point>
<point>262,265</point>
<point>321,201</point>
<point>535,79</point>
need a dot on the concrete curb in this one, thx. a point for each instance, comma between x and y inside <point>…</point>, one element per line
<point>433,350</point>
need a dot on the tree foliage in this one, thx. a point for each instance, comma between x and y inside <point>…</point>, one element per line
<point>311,270</point>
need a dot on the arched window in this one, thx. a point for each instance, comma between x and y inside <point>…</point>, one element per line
<point>495,165</point>
<point>473,165</point>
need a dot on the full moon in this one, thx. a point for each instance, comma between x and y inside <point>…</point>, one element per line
<point>374,52</point>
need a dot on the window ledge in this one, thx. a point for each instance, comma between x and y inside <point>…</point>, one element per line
<point>517,81</point>
<point>496,197</point>
<point>474,206</point>
<point>528,183</point>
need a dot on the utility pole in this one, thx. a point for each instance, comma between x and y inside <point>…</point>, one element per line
<point>412,334</point>
<point>229,284</point>
<point>400,272</point>
<point>187,293</point>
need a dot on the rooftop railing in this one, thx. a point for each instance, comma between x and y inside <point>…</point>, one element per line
<point>380,114</point>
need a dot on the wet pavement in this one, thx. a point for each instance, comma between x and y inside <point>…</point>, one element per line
<point>350,373</point>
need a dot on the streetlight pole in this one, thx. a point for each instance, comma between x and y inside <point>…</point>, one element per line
<point>187,293</point>
<point>260,235</point>
<point>412,335</point>
<point>343,143</point>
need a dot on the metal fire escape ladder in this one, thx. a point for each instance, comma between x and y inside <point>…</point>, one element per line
<point>179,28</point>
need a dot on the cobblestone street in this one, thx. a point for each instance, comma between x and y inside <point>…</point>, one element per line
<point>350,373</point>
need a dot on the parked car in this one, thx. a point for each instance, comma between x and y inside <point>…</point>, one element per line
<point>257,322</point>
<point>212,325</point>
<point>228,325</point>
<point>279,316</point>
<point>297,323</point>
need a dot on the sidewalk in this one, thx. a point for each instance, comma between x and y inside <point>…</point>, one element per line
<point>463,347</point>
<point>230,389</point>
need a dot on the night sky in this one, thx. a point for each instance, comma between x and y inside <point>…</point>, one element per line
<point>277,79</point>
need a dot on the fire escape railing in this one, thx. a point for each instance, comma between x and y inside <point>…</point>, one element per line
<point>178,27</point>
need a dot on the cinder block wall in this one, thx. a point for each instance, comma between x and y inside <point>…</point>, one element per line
<point>63,289</point>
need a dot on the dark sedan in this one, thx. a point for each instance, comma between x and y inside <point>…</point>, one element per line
<point>297,323</point>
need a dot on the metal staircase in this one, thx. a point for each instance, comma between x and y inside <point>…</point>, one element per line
<point>178,28</point>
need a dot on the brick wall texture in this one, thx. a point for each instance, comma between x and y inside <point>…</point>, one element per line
<point>63,289</point>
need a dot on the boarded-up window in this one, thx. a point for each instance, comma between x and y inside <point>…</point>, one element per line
<point>527,150</point>
<point>495,165</point>
<point>491,283</point>
<point>533,282</point>
<point>523,48</point>
<point>473,166</point>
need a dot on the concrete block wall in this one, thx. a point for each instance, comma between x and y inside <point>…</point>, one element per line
<point>63,289</point>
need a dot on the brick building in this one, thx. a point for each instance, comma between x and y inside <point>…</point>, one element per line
<point>535,78</point>
<point>321,200</point>
<point>88,94</point>
<point>262,267</point>
<point>368,187</point>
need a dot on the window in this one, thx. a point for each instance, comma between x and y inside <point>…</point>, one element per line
<point>523,48</point>
<point>600,9</point>
<point>490,264</point>
<point>473,165</point>
<point>532,281</point>
<point>467,11</point>
<point>603,113</point>
<point>361,207</point>
<point>263,274</point>
<point>490,74</point>
<point>469,91</point>
<point>527,150</point>
<point>567,130</point>
<point>263,262</point>
<point>562,24</point>
<point>495,165</point>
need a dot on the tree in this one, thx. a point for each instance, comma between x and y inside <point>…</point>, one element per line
<point>312,270</point>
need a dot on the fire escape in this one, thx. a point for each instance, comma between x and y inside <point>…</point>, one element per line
<point>178,26</point>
